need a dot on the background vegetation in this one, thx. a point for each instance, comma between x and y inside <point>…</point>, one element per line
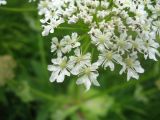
<point>27,94</point>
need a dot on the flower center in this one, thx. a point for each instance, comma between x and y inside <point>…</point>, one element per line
<point>102,39</point>
<point>135,45</point>
<point>109,55</point>
<point>146,44</point>
<point>129,62</point>
<point>121,43</point>
<point>63,64</point>
<point>79,59</point>
<point>59,45</point>
<point>52,13</point>
<point>87,71</point>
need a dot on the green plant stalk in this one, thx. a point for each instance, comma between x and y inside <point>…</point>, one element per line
<point>18,9</point>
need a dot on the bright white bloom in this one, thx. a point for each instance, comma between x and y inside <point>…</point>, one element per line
<point>51,26</point>
<point>156,26</point>
<point>156,10</point>
<point>123,43</point>
<point>150,49</point>
<point>108,58</point>
<point>79,60</point>
<point>58,46</point>
<point>59,69</point>
<point>137,45</point>
<point>65,45</point>
<point>71,41</point>
<point>88,75</point>
<point>132,66</point>
<point>3,2</point>
<point>100,39</point>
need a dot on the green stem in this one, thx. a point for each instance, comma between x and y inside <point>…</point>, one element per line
<point>71,28</point>
<point>42,55</point>
<point>42,95</point>
<point>18,9</point>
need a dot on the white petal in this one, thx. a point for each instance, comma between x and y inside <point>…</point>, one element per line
<point>93,78</point>
<point>138,67</point>
<point>54,76</point>
<point>51,68</point>
<point>152,53</point>
<point>60,78</point>
<point>77,52</point>
<point>123,69</point>
<point>110,64</point>
<point>132,74</point>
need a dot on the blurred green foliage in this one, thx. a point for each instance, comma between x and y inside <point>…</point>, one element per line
<point>30,95</point>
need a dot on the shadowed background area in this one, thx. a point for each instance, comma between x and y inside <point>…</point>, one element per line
<point>27,94</point>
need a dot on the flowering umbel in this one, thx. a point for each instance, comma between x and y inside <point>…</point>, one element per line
<point>120,30</point>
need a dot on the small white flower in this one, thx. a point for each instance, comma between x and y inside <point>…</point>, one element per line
<point>88,75</point>
<point>73,19</point>
<point>59,69</point>
<point>123,43</point>
<point>49,28</point>
<point>150,49</point>
<point>107,59</point>
<point>100,39</point>
<point>156,10</point>
<point>156,26</point>
<point>58,46</point>
<point>141,14</point>
<point>132,66</point>
<point>137,44</point>
<point>78,61</point>
<point>71,41</point>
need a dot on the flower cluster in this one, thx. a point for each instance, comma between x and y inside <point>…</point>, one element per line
<point>3,2</point>
<point>78,64</point>
<point>121,30</point>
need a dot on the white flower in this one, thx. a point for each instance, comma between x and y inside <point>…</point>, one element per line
<point>107,59</point>
<point>88,75</point>
<point>71,41</point>
<point>156,10</point>
<point>58,46</point>
<point>124,3</point>
<point>141,14</point>
<point>102,14</point>
<point>137,44</point>
<point>78,61</point>
<point>59,69</point>
<point>132,66</point>
<point>123,43</point>
<point>49,28</point>
<point>100,39</point>
<point>73,19</point>
<point>150,49</point>
<point>3,2</point>
<point>156,26</point>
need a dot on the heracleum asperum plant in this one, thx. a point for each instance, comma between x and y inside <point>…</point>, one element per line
<point>120,30</point>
